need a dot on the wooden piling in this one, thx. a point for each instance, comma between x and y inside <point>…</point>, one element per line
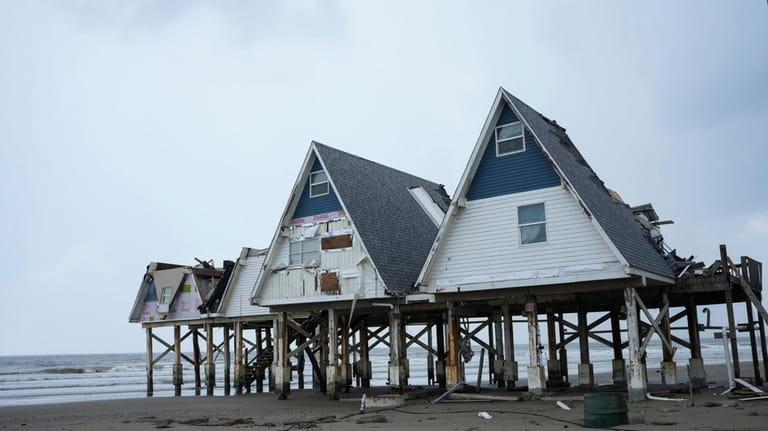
<point>729,308</point>
<point>239,368</point>
<point>536,377</point>
<point>227,360</point>
<point>491,355</point>
<point>498,363</point>
<point>553,365</point>
<point>430,357</point>
<point>364,367</point>
<point>398,374</point>
<point>346,369</point>
<point>196,359</point>
<point>453,365</point>
<point>178,378</point>
<point>562,352</point>
<point>510,365</point>
<point>618,373</point>
<point>636,384</point>
<point>150,364</point>
<point>281,365</point>
<point>210,366</point>
<point>440,341</point>
<point>260,372</point>
<point>333,353</point>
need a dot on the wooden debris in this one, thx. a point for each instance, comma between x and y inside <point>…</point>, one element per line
<point>373,419</point>
<point>481,397</point>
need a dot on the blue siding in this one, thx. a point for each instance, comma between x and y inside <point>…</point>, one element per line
<point>308,206</point>
<point>514,173</point>
<point>151,293</point>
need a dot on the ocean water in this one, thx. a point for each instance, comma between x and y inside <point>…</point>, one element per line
<point>65,378</point>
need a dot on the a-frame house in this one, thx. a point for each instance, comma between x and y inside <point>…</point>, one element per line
<point>531,223</point>
<point>353,232</point>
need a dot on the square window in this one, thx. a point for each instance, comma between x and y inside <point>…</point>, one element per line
<point>510,138</point>
<point>318,184</point>
<point>305,251</point>
<point>531,220</point>
<point>165,295</point>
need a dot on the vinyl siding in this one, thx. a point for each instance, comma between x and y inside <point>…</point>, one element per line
<point>512,173</point>
<point>308,206</point>
<point>286,283</point>
<point>239,299</point>
<point>484,238</point>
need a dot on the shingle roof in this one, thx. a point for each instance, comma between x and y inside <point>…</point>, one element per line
<point>395,229</point>
<point>616,218</point>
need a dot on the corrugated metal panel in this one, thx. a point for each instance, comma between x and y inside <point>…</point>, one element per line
<point>297,282</point>
<point>513,173</point>
<point>308,206</point>
<point>484,238</point>
<point>239,299</point>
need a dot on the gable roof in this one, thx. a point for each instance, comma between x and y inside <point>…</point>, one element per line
<point>395,229</point>
<point>621,229</point>
<point>392,226</point>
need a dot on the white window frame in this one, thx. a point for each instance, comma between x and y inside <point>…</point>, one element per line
<point>312,184</point>
<point>498,141</point>
<point>521,226</point>
<point>163,296</point>
<point>303,254</point>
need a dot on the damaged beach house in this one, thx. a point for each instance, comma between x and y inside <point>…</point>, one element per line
<point>365,255</point>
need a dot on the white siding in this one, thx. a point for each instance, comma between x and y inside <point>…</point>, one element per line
<point>238,300</point>
<point>283,282</point>
<point>483,243</point>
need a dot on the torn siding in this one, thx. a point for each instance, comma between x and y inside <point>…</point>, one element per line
<point>341,268</point>
<point>238,300</point>
<point>483,245</point>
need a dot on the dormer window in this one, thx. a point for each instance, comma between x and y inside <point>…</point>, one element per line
<point>318,184</point>
<point>165,295</point>
<point>510,139</point>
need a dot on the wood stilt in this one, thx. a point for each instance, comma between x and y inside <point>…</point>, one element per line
<point>619,373</point>
<point>321,356</point>
<point>440,341</point>
<point>510,365</point>
<point>398,374</point>
<point>346,369</point>
<point>668,365</point>
<point>261,372</point>
<point>562,352</point>
<point>333,353</point>
<point>553,365</point>
<point>753,343</point>
<point>178,374</point>
<point>536,378</point>
<point>150,365</point>
<point>281,365</point>
<point>269,345</point>
<point>227,360</point>
<point>498,363</point>
<point>732,334</point>
<point>453,366</point>
<point>586,373</point>
<point>364,366</point>
<point>430,357</point>
<point>491,352</point>
<point>763,346</point>
<point>636,380</point>
<point>697,373</point>
<point>196,358</point>
<point>210,366</point>
<point>239,369</point>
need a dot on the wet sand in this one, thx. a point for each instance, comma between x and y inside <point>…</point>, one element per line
<point>310,410</point>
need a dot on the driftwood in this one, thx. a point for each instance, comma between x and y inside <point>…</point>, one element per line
<point>481,397</point>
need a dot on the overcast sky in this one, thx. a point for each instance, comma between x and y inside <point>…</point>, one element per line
<point>138,131</point>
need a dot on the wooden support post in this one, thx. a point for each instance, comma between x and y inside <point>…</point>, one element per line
<point>239,369</point>
<point>430,357</point>
<point>178,374</point>
<point>636,380</point>
<point>510,365</point>
<point>196,358</point>
<point>440,340</point>
<point>322,355</point>
<point>364,366</point>
<point>553,365</point>
<point>333,354</point>
<point>498,346</point>
<point>280,364</point>
<point>668,365</point>
<point>346,369</point>
<point>269,345</point>
<point>619,376</point>
<point>586,371</point>
<point>536,378</point>
<point>563,352</point>
<point>260,372</point>
<point>150,365</point>
<point>300,362</point>
<point>729,308</point>
<point>227,360</point>
<point>732,333</point>
<point>753,342</point>
<point>398,373</point>
<point>763,346</point>
<point>210,366</point>
<point>453,369</point>
<point>697,372</point>
<point>491,352</point>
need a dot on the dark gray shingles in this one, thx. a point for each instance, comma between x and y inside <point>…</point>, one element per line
<point>616,218</point>
<point>394,228</point>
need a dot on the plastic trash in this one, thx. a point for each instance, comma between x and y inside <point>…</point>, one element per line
<point>563,405</point>
<point>484,415</point>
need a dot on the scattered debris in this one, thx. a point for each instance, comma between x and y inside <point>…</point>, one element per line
<point>374,419</point>
<point>664,423</point>
<point>655,398</point>
<point>754,398</point>
<point>481,397</point>
<point>748,385</point>
<point>484,415</point>
<point>563,405</point>
<point>453,389</point>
